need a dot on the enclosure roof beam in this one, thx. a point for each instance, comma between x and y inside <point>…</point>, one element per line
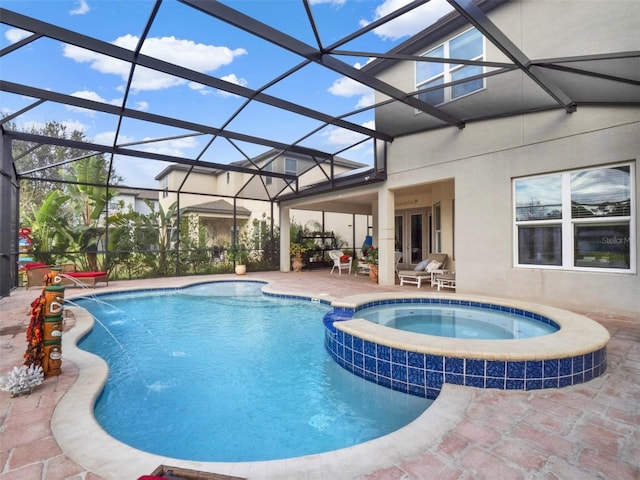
<point>52,31</point>
<point>292,44</point>
<point>16,88</point>
<point>474,15</point>
<point>66,142</point>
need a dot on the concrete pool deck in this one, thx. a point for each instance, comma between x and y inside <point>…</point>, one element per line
<point>582,432</point>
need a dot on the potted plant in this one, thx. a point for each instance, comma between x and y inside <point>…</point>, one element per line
<point>371,258</point>
<point>239,255</point>
<point>296,250</point>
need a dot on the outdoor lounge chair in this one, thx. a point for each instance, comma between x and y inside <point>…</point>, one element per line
<point>340,261</point>
<point>84,279</point>
<point>34,275</point>
<point>416,277</point>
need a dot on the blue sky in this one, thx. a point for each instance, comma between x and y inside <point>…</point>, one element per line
<point>191,39</point>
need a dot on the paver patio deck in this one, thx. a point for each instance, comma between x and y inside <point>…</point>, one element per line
<point>589,431</point>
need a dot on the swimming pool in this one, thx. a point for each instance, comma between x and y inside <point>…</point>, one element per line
<point>478,321</point>
<point>220,372</point>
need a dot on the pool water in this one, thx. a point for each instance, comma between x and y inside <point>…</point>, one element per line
<point>219,372</point>
<point>456,321</point>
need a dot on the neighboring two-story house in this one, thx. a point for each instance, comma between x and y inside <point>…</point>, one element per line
<point>207,196</point>
<point>135,200</point>
<point>529,200</point>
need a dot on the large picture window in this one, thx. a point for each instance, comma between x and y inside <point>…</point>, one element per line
<point>466,46</point>
<point>581,219</point>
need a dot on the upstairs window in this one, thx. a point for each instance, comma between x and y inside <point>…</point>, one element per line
<point>468,45</point>
<point>290,166</point>
<point>165,187</point>
<point>268,168</point>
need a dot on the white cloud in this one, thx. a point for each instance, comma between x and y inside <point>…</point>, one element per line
<point>195,56</point>
<point>337,3</point>
<point>346,87</point>
<point>106,138</point>
<point>16,34</point>
<point>81,9</point>
<point>232,78</point>
<point>366,100</point>
<point>200,88</point>
<point>341,137</point>
<point>71,125</point>
<point>89,95</point>
<point>410,23</point>
<point>139,173</point>
<point>174,147</point>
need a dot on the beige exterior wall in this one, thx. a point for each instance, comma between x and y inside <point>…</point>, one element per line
<point>483,159</point>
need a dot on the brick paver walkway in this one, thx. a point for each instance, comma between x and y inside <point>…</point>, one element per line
<point>588,431</point>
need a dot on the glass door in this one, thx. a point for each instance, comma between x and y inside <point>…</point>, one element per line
<point>417,250</point>
<point>413,245</point>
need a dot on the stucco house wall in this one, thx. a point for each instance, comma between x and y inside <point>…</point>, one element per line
<point>483,159</point>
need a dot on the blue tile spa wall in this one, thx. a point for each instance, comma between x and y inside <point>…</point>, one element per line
<point>423,374</point>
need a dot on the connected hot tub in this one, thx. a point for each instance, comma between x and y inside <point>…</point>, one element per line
<point>420,364</point>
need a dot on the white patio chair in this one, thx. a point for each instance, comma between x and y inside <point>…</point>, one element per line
<point>339,261</point>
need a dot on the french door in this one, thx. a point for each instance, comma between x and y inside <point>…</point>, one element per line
<point>412,236</point>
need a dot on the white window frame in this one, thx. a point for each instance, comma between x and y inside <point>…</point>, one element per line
<point>568,224</point>
<point>437,227</point>
<point>165,187</point>
<point>449,70</point>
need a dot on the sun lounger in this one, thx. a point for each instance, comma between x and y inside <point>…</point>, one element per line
<point>85,279</point>
<point>416,277</point>
<point>34,275</point>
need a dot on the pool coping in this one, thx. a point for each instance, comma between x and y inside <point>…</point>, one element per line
<point>83,440</point>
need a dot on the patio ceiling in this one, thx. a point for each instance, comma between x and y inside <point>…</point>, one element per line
<point>220,126</point>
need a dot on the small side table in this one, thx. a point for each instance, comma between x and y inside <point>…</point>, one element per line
<point>434,275</point>
<point>446,280</point>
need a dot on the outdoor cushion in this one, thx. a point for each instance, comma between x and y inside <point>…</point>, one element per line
<point>34,265</point>
<point>345,259</point>
<point>86,274</point>
<point>421,266</point>
<point>433,265</point>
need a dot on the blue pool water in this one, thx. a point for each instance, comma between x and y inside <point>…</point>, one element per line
<point>220,372</point>
<point>457,321</point>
